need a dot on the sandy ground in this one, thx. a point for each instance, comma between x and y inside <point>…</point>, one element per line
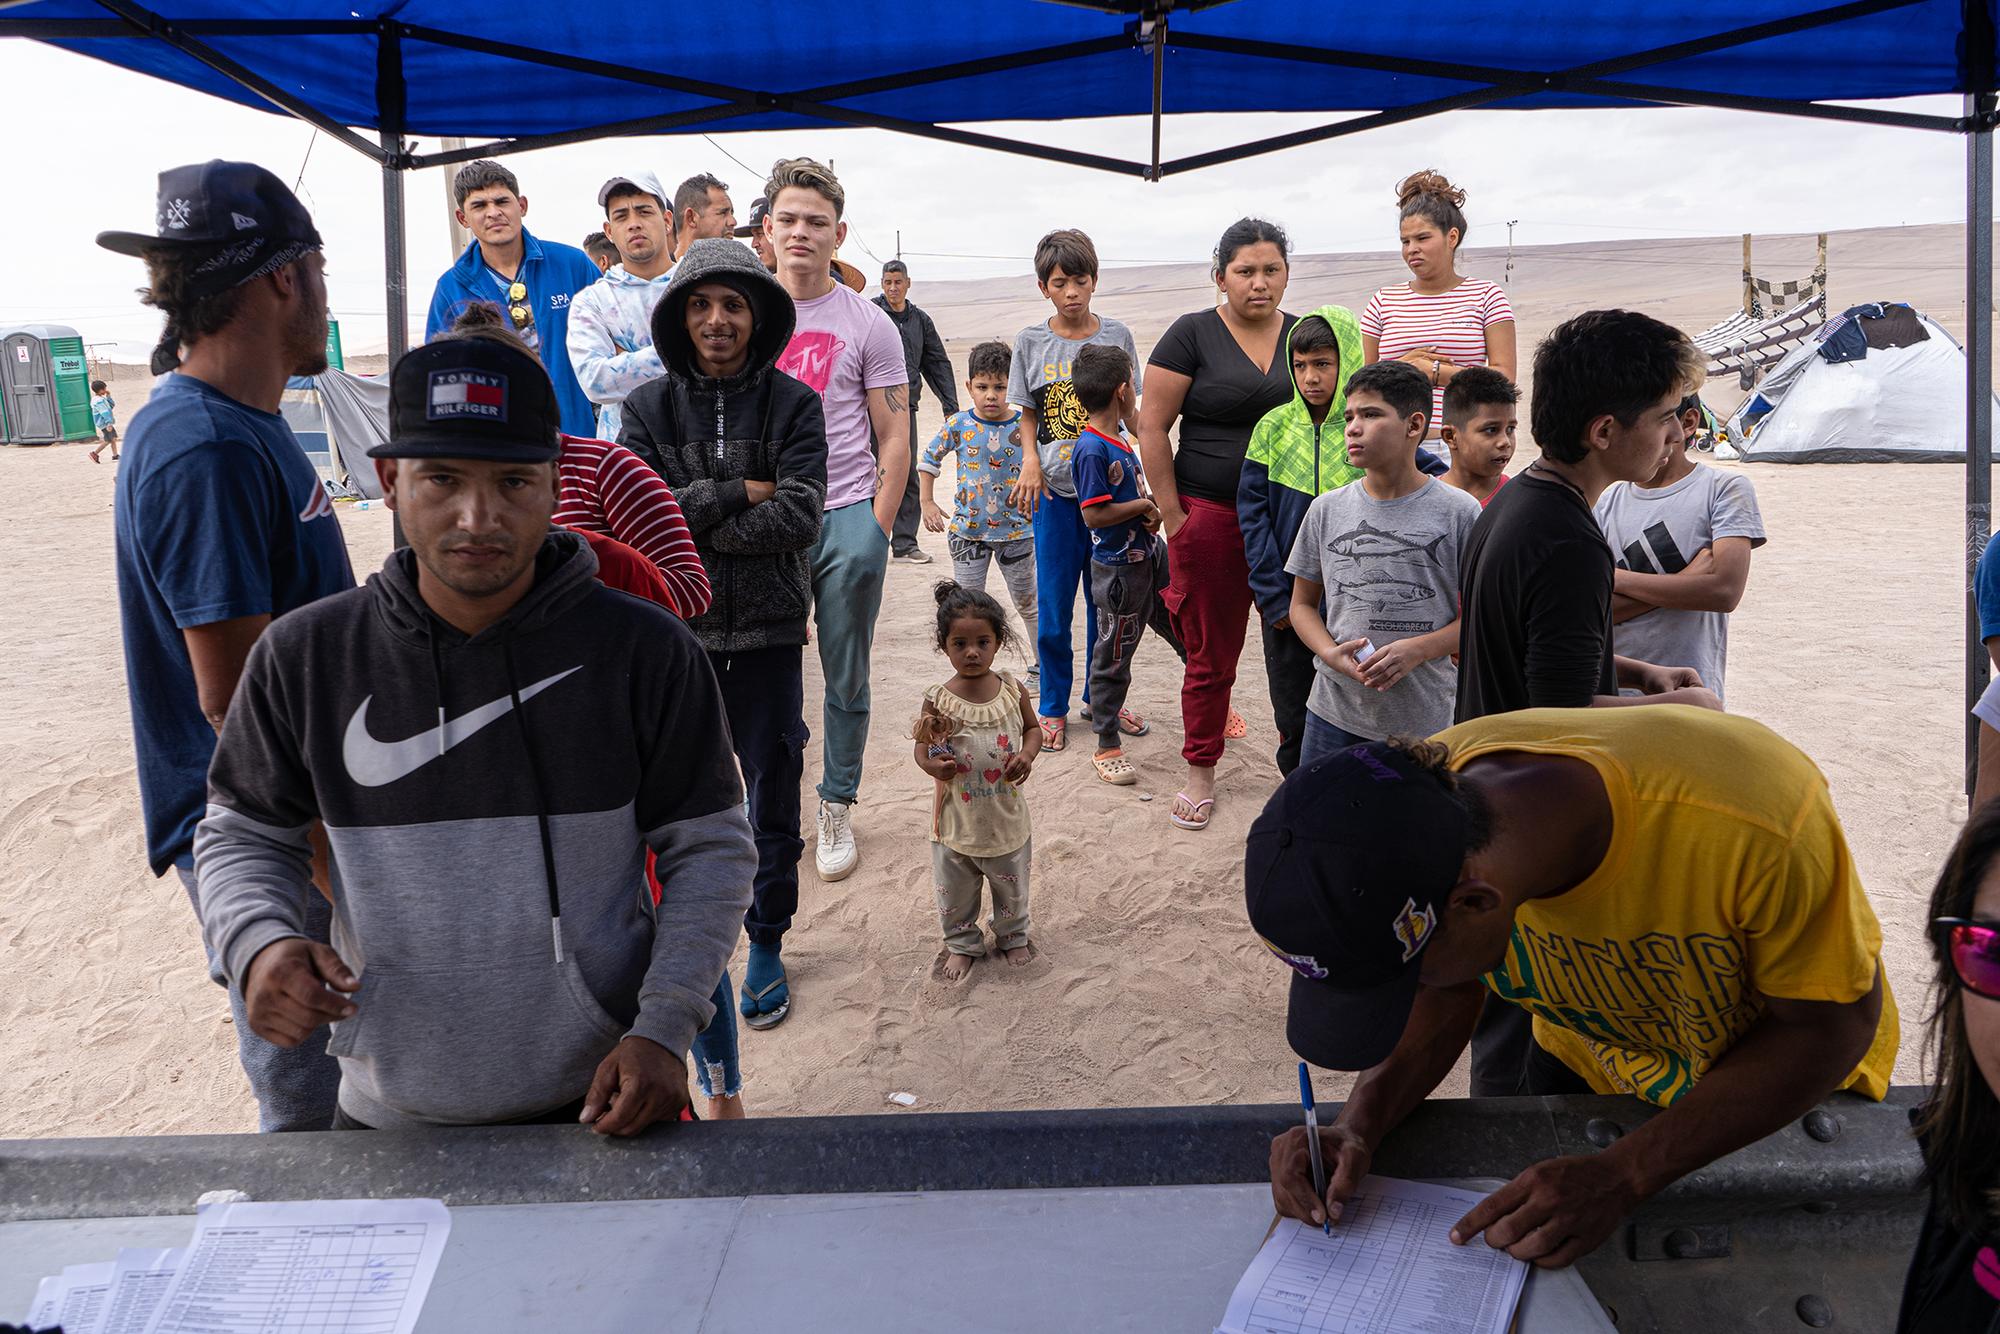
<point>1150,989</point>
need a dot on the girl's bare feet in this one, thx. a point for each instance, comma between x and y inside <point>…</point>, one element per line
<point>1021,954</point>
<point>956,966</point>
<point>722,1107</point>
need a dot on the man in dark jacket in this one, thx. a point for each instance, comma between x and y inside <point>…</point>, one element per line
<point>923,352</point>
<point>494,741</point>
<point>743,445</point>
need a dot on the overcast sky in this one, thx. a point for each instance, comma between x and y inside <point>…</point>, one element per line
<point>88,140</point>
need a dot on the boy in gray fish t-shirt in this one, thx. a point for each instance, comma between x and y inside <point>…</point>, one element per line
<point>1375,576</point>
<point>1683,539</point>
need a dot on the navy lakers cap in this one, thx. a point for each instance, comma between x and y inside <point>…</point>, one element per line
<point>471,398</point>
<point>1344,874</point>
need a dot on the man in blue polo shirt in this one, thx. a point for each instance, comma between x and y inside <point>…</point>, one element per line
<point>531,279</point>
<point>222,523</point>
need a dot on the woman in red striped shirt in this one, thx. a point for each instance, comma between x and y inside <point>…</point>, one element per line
<point>1440,321</point>
<point>608,489</point>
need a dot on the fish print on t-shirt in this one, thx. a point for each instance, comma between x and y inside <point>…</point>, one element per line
<point>810,357</point>
<point>1385,570</point>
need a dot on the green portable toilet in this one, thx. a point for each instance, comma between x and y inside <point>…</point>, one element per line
<point>44,385</point>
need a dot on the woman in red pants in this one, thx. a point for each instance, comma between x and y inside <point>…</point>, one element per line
<point>1216,372</point>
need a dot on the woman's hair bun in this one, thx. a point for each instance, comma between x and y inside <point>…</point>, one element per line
<point>1429,182</point>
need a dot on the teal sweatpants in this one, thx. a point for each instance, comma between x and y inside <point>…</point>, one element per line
<point>848,563</point>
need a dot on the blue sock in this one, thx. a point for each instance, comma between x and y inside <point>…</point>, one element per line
<point>766,966</point>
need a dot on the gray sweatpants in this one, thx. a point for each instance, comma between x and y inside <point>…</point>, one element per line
<point>958,879</point>
<point>1124,596</point>
<point>969,563</point>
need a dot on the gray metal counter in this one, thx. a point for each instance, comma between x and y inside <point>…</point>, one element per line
<point>1161,1258</point>
<point>1818,1219</point>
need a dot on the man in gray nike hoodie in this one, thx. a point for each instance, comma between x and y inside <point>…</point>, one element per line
<point>493,740</point>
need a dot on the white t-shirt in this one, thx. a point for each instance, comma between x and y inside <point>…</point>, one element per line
<point>1658,531</point>
<point>1453,322</point>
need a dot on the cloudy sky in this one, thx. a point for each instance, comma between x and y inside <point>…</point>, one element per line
<point>101,135</point>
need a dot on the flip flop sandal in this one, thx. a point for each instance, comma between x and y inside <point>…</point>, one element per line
<point>1131,724</point>
<point>1198,807</point>
<point>1235,729</point>
<point>1055,733</point>
<point>768,1018</point>
<point>1115,769</point>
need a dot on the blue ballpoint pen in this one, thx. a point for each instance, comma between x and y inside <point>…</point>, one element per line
<point>1312,1141</point>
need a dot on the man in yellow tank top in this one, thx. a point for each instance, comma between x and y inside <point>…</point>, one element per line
<point>1667,891</point>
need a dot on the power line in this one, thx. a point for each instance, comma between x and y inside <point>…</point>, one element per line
<point>307,158</point>
<point>732,157</point>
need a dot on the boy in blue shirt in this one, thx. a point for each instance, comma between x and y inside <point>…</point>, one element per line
<point>992,517</point>
<point>1127,563</point>
<point>104,420</point>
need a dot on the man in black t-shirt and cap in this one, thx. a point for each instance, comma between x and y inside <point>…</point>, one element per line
<point>924,354</point>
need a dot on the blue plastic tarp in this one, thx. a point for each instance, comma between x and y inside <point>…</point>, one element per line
<point>792,48</point>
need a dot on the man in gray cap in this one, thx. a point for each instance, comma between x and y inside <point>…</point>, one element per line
<point>222,525</point>
<point>610,322</point>
<point>495,741</point>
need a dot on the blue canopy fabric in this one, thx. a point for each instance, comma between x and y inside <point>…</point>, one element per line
<point>512,69</point>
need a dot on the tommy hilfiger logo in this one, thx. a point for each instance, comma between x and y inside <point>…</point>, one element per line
<point>1413,927</point>
<point>480,394</point>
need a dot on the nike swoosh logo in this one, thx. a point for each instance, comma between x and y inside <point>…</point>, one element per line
<point>373,763</point>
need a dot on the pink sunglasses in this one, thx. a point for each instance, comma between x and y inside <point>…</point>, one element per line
<point>1975,953</point>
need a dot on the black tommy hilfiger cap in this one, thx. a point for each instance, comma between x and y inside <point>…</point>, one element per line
<point>471,398</point>
<point>237,207</point>
<point>1344,874</point>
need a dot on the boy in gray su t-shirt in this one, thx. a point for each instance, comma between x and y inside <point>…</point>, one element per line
<point>1390,571</point>
<point>1039,380</point>
<point>1659,530</point>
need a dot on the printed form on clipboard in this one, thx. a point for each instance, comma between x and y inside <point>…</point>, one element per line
<point>1388,1268</point>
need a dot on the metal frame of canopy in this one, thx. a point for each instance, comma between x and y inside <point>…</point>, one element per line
<point>1148,26</point>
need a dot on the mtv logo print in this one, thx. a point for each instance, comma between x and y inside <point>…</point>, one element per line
<point>810,358</point>
<point>477,394</point>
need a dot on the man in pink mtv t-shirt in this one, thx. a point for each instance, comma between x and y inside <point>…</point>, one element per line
<point>847,349</point>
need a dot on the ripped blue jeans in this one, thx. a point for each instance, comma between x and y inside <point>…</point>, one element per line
<point>714,1052</point>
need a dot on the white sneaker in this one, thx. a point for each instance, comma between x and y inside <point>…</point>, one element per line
<point>836,855</point>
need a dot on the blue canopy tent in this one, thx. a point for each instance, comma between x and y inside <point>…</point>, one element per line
<point>405,69</point>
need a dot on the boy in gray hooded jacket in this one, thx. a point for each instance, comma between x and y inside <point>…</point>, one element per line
<point>743,445</point>
<point>493,740</point>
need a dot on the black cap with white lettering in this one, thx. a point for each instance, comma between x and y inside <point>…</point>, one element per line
<point>243,213</point>
<point>471,398</point>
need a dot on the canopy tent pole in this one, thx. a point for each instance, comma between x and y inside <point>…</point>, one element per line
<point>1978,397</point>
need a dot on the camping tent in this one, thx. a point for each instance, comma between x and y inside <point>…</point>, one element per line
<point>338,418</point>
<point>1880,384</point>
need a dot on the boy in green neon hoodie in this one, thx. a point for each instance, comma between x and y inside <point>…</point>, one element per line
<point>1297,452</point>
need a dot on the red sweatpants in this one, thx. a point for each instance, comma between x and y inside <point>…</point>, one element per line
<point>1208,597</point>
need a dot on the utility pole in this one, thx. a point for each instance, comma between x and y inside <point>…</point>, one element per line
<point>1508,277</point>
<point>899,243</point>
<point>460,238</point>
